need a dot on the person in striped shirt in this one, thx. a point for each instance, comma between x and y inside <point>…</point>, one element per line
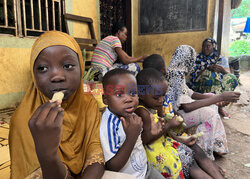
<point>109,49</point>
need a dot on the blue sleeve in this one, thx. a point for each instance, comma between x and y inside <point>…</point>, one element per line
<point>110,139</point>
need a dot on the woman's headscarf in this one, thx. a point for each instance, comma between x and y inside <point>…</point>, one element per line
<point>80,143</point>
<point>204,61</point>
<point>182,63</point>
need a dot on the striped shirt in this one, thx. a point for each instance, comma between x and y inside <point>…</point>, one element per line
<point>112,137</point>
<point>104,54</point>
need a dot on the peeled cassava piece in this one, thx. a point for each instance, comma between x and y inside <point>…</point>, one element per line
<point>178,118</point>
<point>198,134</point>
<point>169,116</point>
<point>57,96</point>
<point>178,130</point>
<point>194,135</point>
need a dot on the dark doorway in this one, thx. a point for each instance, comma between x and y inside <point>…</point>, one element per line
<point>113,11</point>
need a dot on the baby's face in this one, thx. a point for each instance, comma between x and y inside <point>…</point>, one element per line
<point>121,95</point>
<point>57,69</point>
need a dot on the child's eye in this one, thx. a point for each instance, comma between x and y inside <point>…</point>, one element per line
<point>68,66</point>
<point>42,68</point>
<point>119,94</point>
<point>133,93</point>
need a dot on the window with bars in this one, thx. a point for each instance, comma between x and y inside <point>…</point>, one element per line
<point>30,17</point>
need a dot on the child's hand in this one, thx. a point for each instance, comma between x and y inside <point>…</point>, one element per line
<point>46,127</point>
<point>132,125</point>
<point>157,127</point>
<point>172,123</point>
<point>189,141</point>
<point>161,121</point>
<point>230,96</point>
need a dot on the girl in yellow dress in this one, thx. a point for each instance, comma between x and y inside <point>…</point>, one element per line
<point>171,158</point>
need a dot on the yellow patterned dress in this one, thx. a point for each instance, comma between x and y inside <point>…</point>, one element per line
<point>162,154</point>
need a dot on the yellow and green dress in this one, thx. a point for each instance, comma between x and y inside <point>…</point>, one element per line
<point>162,154</point>
<point>186,154</point>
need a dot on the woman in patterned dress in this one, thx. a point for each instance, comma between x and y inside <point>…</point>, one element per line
<point>211,72</point>
<point>195,108</point>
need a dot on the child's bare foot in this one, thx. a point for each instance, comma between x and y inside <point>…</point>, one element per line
<point>221,170</point>
<point>219,154</point>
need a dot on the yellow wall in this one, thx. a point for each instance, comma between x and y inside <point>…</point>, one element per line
<point>15,52</point>
<point>90,10</point>
<point>15,63</point>
<point>86,9</point>
<point>165,44</point>
<point>15,69</point>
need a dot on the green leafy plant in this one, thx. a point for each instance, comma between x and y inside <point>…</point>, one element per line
<point>90,74</point>
<point>243,10</point>
<point>239,47</point>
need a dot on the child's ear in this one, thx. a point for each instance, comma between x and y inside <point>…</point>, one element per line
<point>140,98</point>
<point>104,99</point>
<point>163,71</point>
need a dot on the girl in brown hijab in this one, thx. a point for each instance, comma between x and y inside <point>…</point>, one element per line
<point>56,139</point>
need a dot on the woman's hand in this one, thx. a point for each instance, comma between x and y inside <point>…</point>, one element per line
<point>132,125</point>
<point>217,68</point>
<point>229,96</point>
<point>141,59</point>
<point>145,56</point>
<point>46,127</point>
<point>126,59</point>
